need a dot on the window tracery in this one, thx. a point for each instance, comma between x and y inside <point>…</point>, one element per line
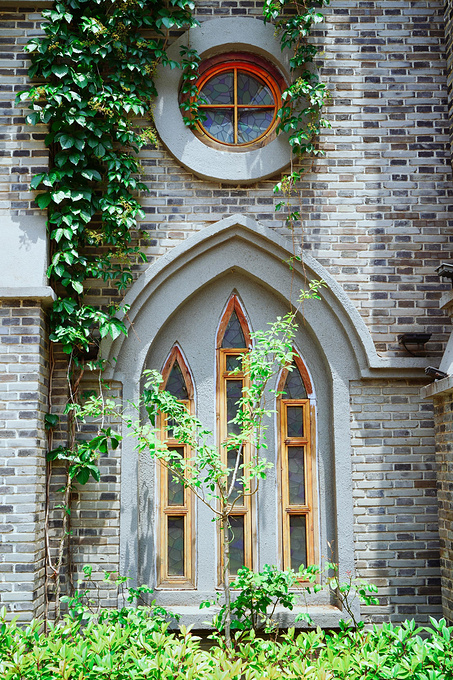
<point>176,503</point>
<point>233,342</point>
<point>296,467</point>
<point>240,96</point>
<point>296,497</point>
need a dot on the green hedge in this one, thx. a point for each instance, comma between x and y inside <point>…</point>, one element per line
<point>135,645</point>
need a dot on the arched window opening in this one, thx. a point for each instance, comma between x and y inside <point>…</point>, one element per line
<point>176,547</point>
<point>240,96</point>
<point>233,340</point>
<point>296,467</point>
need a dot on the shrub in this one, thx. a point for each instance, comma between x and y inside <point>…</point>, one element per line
<point>139,648</point>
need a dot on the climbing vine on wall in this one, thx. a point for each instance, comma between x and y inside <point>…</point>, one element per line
<point>96,64</point>
<point>300,115</point>
<point>98,59</point>
<point>302,101</point>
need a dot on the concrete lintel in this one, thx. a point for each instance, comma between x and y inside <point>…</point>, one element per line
<point>397,368</point>
<point>43,293</point>
<point>438,387</point>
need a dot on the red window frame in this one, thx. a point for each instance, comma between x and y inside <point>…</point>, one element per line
<point>256,67</point>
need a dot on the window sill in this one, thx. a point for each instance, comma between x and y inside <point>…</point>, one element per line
<point>325,616</point>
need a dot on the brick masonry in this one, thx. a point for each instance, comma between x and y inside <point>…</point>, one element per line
<point>443,413</point>
<point>395,507</point>
<point>23,388</point>
<point>376,213</point>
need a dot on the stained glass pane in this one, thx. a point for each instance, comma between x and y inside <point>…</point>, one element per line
<point>233,394</point>
<point>234,337</point>
<point>175,489</point>
<point>295,422</point>
<point>296,476</point>
<point>231,463</point>
<point>219,124</point>
<point>294,385</point>
<point>252,123</point>
<point>237,554</point>
<point>253,91</point>
<point>298,541</point>
<point>233,361</point>
<point>176,384</point>
<point>175,546</point>
<point>219,89</point>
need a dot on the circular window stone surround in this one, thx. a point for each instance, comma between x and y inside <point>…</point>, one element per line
<point>211,38</point>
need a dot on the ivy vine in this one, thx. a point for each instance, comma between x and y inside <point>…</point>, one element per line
<point>99,71</point>
<point>96,63</point>
<point>302,101</point>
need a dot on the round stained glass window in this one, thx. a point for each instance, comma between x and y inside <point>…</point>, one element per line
<point>240,98</point>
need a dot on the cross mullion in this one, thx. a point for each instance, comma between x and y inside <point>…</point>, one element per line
<point>235,106</point>
<point>239,106</point>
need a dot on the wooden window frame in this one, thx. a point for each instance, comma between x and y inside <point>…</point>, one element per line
<point>309,509</point>
<point>247,509</point>
<point>258,68</point>
<point>187,510</point>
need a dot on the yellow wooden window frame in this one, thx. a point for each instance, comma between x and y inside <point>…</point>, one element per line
<point>246,509</point>
<point>307,442</point>
<point>187,509</point>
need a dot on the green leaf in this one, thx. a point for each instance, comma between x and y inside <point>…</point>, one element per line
<point>168,22</point>
<point>95,473</point>
<point>43,200</point>
<point>83,476</point>
<point>92,175</point>
<point>37,179</point>
<point>51,420</point>
<point>59,196</point>
<point>66,141</point>
<point>78,287</point>
<point>60,70</point>
<point>75,158</point>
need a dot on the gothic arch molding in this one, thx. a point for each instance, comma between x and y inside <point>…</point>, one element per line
<point>242,244</point>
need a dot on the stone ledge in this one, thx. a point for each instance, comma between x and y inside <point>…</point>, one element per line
<point>438,387</point>
<point>325,616</point>
<point>43,293</point>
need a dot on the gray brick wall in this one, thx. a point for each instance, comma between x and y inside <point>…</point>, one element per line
<point>22,151</point>
<point>443,415</point>
<point>22,460</point>
<point>395,506</point>
<point>375,208</point>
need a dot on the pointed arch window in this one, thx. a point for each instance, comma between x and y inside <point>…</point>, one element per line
<point>296,467</point>
<point>176,533</point>
<point>233,340</point>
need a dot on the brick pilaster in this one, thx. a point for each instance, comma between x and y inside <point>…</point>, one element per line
<point>22,456</point>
